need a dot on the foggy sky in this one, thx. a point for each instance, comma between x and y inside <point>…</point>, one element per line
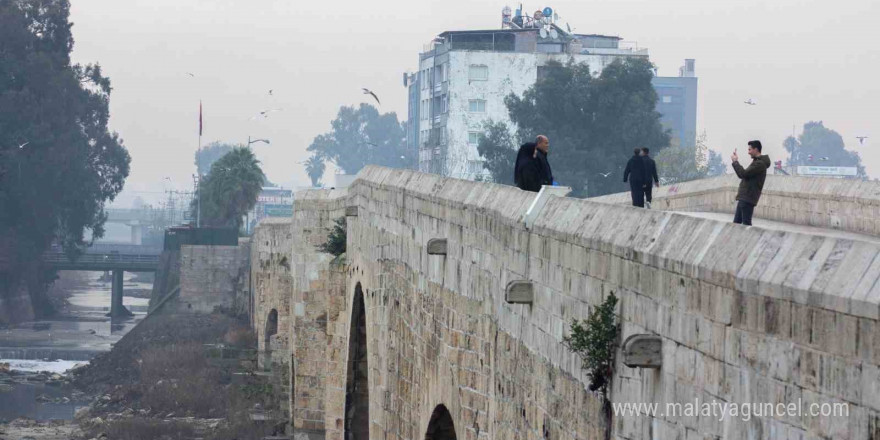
<point>799,60</point>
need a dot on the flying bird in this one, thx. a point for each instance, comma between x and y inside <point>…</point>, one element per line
<point>190,74</point>
<point>824,158</point>
<point>265,113</point>
<point>750,102</point>
<point>270,92</point>
<point>605,174</point>
<point>861,139</point>
<point>22,145</point>
<point>370,92</point>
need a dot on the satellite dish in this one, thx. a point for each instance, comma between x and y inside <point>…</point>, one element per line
<point>548,12</point>
<point>543,33</point>
<point>553,33</point>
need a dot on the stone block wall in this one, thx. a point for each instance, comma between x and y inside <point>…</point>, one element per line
<point>271,283</point>
<point>745,316</point>
<point>318,301</point>
<point>271,259</point>
<point>214,277</point>
<point>847,205</point>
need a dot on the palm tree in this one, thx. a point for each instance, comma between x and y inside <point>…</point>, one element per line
<point>231,188</point>
<point>315,169</point>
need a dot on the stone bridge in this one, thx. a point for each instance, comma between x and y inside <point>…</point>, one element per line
<point>392,342</point>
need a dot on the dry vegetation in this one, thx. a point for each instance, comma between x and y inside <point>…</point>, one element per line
<point>179,377</point>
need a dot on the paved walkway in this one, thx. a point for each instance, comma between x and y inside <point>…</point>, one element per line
<point>769,224</point>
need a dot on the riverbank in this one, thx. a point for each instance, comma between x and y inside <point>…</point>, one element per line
<point>179,375</point>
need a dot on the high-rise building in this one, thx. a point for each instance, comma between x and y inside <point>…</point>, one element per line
<point>677,104</point>
<point>464,76</point>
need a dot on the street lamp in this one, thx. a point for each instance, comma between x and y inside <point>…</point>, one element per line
<point>265,141</point>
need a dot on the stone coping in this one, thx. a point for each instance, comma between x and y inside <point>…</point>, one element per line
<point>832,273</point>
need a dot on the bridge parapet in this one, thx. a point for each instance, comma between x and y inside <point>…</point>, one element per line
<point>843,204</point>
<point>743,314</point>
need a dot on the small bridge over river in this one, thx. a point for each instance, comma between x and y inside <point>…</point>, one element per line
<point>115,258</point>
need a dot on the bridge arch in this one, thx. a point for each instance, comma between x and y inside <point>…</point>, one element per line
<point>357,387</point>
<point>441,426</point>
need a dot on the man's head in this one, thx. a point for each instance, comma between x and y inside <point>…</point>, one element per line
<point>637,152</point>
<point>645,151</point>
<point>542,143</point>
<point>754,148</point>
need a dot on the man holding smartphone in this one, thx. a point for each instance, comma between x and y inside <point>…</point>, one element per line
<point>751,182</point>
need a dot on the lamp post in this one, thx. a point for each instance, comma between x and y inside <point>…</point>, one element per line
<point>247,225</point>
<point>249,142</point>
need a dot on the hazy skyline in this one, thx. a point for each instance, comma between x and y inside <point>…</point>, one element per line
<point>800,61</point>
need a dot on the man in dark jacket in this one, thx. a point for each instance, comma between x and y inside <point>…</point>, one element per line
<point>751,183</point>
<point>637,177</point>
<point>532,170</point>
<point>651,178</point>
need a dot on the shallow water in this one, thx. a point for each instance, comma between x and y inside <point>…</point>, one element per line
<point>60,343</point>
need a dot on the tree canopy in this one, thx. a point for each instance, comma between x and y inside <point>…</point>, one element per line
<point>821,146</point>
<point>361,136</point>
<point>315,169</point>
<point>496,145</point>
<point>207,155</point>
<point>59,163</point>
<point>677,164</point>
<point>230,189</point>
<point>593,122</point>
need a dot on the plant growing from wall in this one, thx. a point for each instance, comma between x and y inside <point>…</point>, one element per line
<point>335,243</point>
<point>595,341</point>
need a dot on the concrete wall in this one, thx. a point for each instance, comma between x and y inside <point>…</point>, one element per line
<point>214,278</point>
<point>847,205</point>
<point>745,315</point>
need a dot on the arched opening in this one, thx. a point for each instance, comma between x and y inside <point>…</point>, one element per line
<point>440,427</point>
<point>357,390</point>
<point>271,328</point>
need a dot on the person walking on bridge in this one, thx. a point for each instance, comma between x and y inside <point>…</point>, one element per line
<point>532,170</point>
<point>636,174</point>
<point>751,182</point>
<point>650,176</point>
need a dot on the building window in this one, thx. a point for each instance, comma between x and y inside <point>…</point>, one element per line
<point>475,166</point>
<point>478,72</point>
<point>473,137</point>
<point>667,99</point>
<point>477,105</point>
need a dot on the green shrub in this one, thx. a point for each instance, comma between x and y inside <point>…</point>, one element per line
<point>335,243</point>
<point>595,341</point>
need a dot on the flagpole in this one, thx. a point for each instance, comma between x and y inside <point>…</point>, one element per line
<point>199,172</point>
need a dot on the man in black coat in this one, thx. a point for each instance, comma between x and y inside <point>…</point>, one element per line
<point>751,182</point>
<point>651,179</point>
<point>532,170</point>
<point>635,173</point>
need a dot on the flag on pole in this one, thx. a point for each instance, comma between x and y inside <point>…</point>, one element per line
<point>200,118</point>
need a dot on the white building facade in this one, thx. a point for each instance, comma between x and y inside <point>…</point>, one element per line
<point>464,77</point>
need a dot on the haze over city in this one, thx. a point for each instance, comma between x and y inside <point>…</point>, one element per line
<point>799,61</point>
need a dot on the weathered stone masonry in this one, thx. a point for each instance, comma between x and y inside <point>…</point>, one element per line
<point>745,315</point>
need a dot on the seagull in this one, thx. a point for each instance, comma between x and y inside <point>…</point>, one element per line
<point>605,174</point>
<point>750,102</point>
<point>861,139</point>
<point>190,74</point>
<point>265,113</point>
<point>370,92</point>
<point>22,145</point>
